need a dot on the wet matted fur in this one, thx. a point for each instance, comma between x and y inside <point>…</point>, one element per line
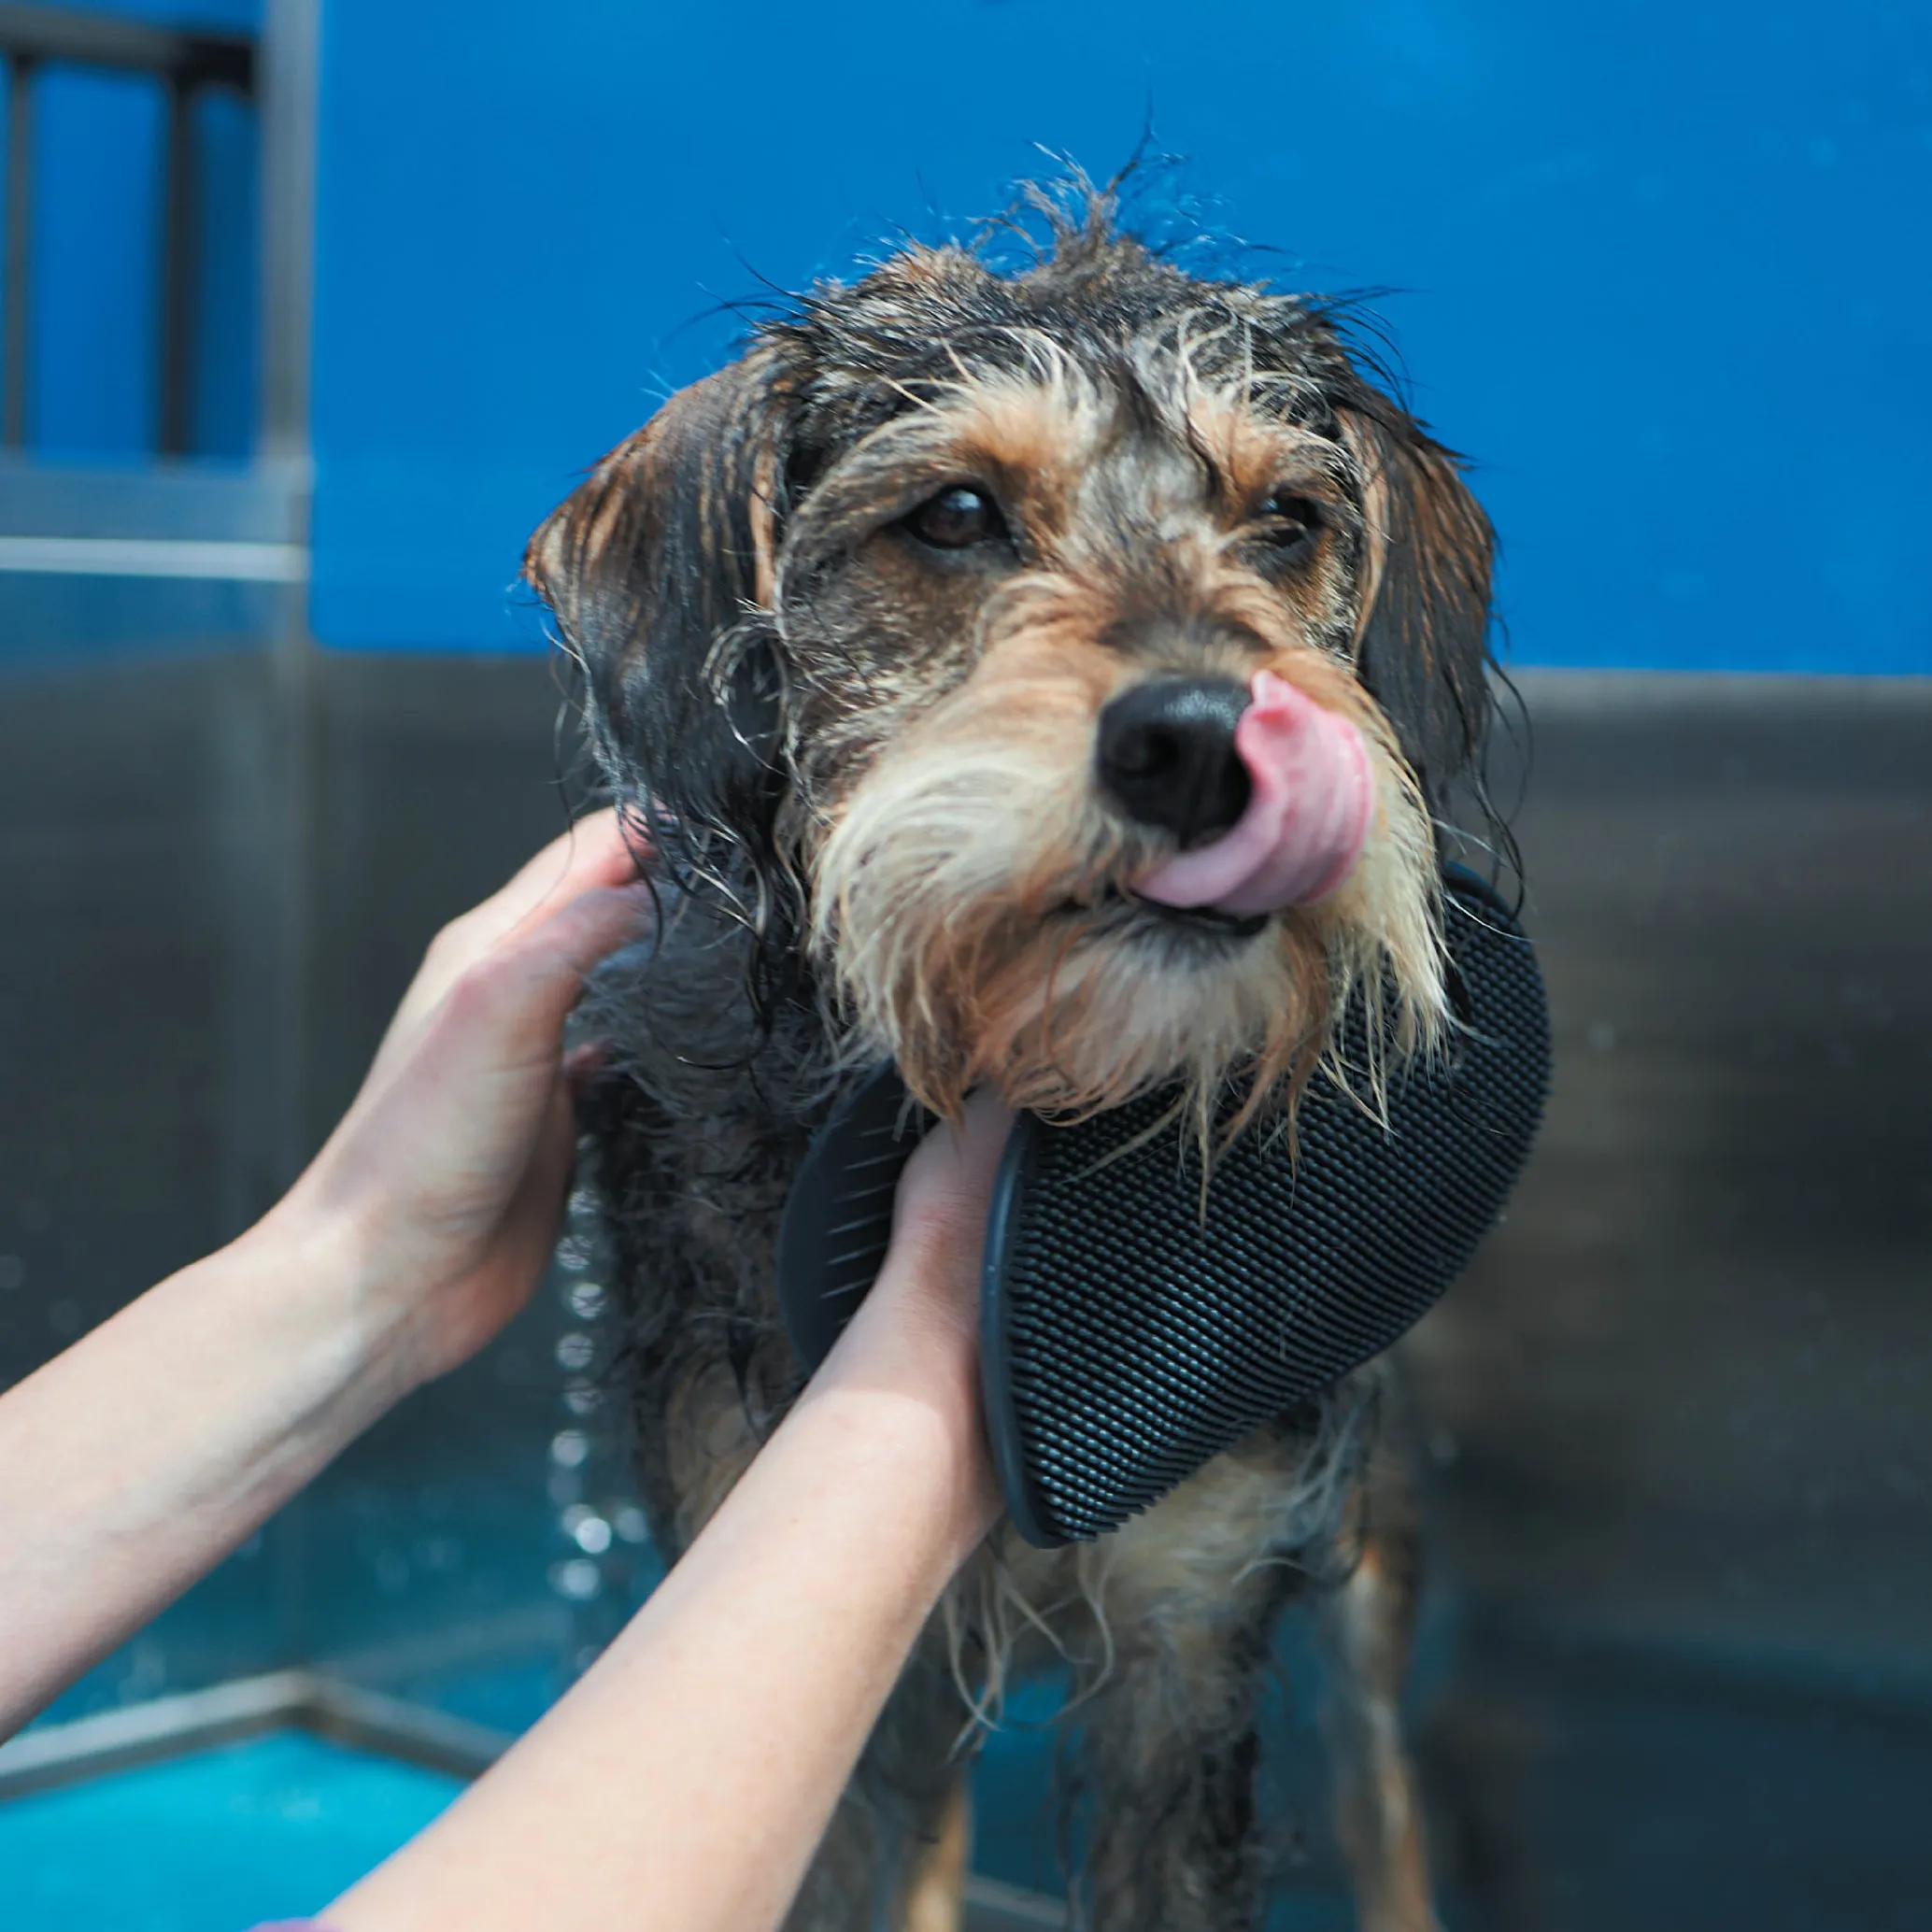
<point>847,612</point>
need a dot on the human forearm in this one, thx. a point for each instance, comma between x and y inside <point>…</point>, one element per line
<point>685,1783</point>
<point>145,1454</point>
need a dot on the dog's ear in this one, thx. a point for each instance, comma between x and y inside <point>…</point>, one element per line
<point>659,571</point>
<point>1423,648</point>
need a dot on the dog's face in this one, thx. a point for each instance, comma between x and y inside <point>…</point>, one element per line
<point>960,602</point>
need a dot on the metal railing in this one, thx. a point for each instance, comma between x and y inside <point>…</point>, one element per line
<point>186,62</point>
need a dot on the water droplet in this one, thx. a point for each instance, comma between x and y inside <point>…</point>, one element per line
<point>579,1579</point>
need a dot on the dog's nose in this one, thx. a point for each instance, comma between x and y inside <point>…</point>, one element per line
<point>1166,753</point>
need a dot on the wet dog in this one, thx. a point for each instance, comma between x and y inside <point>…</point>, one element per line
<point>1049,678</point>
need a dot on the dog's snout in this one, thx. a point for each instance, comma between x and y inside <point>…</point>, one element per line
<point>1166,754</point>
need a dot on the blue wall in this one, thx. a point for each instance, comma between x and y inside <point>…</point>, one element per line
<point>97,216</point>
<point>1666,266</point>
<point>94,327</point>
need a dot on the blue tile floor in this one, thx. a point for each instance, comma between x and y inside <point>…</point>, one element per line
<point>1576,1792</point>
<point>274,1828</point>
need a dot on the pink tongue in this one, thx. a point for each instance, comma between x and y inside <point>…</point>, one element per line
<point>1307,819</point>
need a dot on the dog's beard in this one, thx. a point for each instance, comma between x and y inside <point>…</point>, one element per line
<point>970,907</point>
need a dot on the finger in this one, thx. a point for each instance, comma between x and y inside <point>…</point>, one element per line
<point>469,1093</point>
<point>980,1138</point>
<point>533,1218</point>
<point>598,853</point>
<point>518,999</point>
<point>512,1002</point>
<point>952,1172</point>
<point>582,1064</point>
<point>604,849</point>
<point>599,850</point>
<point>535,1215</point>
<point>570,941</point>
<point>500,1260</point>
<point>939,1215</point>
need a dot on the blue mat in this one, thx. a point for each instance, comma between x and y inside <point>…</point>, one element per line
<point>274,1828</point>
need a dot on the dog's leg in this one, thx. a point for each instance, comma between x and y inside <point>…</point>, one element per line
<point>841,1889</point>
<point>935,1901</point>
<point>1168,1750</point>
<point>1368,1624</point>
<point>895,1853</point>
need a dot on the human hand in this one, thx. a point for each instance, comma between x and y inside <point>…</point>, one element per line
<point>931,1271</point>
<point>170,1432</point>
<point>911,1352</point>
<point>437,1199</point>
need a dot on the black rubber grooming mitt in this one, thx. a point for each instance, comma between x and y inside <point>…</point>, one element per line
<point>1132,1328</point>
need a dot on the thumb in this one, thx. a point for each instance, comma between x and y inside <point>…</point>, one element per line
<point>949,1179</point>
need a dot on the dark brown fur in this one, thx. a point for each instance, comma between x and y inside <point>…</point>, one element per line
<point>867,772</point>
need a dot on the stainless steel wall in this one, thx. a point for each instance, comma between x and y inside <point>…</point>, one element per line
<point>217,873</point>
<point>1684,1459</point>
<point>1676,1667</point>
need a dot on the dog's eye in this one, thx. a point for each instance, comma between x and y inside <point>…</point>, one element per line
<point>957,518</point>
<point>1286,522</point>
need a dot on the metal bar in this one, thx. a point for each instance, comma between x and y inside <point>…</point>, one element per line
<point>417,1733</point>
<point>286,140</point>
<point>19,247</point>
<point>179,269</point>
<point>994,1907</point>
<point>116,1741</point>
<point>60,1753</point>
<point>290,35</point>
<point>234,563</point>
<point>195,1720</point>
<point>101,40</point>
